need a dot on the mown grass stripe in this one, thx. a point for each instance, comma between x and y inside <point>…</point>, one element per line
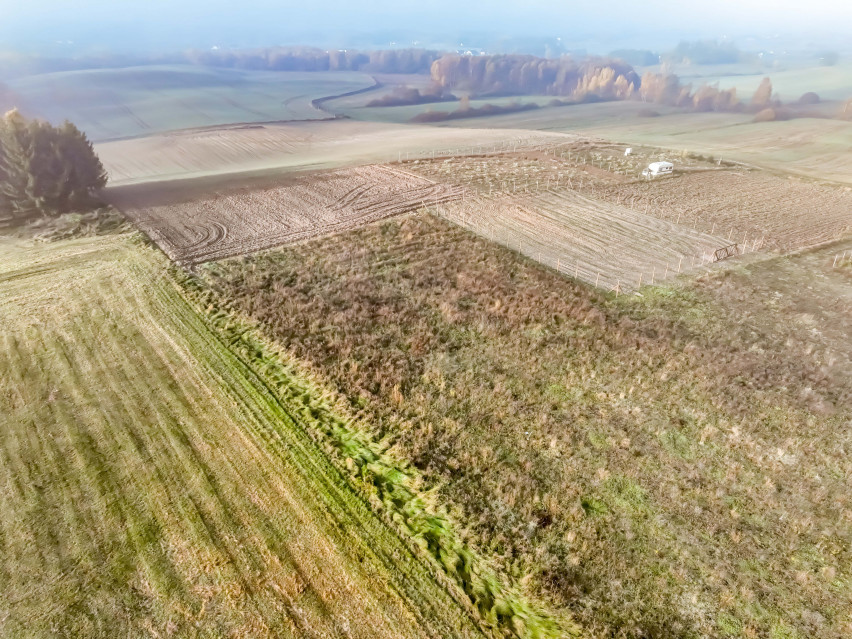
<point>185,455</point>
<point>303,450</point>
<point>154,422</point>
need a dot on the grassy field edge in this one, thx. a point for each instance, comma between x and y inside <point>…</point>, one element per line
<point>390,486</point>
<point>408,576</point>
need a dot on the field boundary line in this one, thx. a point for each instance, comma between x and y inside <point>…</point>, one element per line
<point>384,483</point>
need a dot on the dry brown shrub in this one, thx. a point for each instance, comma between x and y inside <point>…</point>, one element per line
<point>766,115</point>
<point>774,114</point>
<point>648,113</point>
<point>809,98</point>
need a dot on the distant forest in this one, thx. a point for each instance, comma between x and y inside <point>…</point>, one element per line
<point>707,52</point>
<point>311,59</point>
<point>605,78</point>
<point>569,78</point>
<point>265,59</point>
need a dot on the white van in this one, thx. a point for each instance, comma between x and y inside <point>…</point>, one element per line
<point>658,168</point>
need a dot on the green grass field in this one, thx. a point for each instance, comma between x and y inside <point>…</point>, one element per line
<point>152,485</point>
<point>117,103</point>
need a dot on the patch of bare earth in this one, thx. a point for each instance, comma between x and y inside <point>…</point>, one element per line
<point>247,220</point>
<point>787,214</point>
<point>581,207</point>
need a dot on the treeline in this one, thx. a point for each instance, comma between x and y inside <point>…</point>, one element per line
<point>495,75</point>
<point>45,170</point>
<point>407,96</point>
<point>661,88</point>
<point>706,52</point>
<point>312,59</point>
<point>264,59</point>
<point>466,111</point>
<point>764,103</point>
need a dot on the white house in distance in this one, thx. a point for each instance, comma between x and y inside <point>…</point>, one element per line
<point>658,168</point>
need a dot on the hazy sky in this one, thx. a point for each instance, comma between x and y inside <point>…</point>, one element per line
<point>170,24</point>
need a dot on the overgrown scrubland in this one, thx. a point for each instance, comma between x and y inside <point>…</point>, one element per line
<point>663,466</point>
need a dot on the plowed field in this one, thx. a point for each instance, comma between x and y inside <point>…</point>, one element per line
<point>245,221</point>
<point>789,213</point>
<point>604,244</point>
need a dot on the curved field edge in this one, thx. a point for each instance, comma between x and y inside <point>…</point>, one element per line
<point>390,485</point>
<point>114,511</point>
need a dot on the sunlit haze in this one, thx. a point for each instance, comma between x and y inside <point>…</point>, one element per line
<point>93,25</point>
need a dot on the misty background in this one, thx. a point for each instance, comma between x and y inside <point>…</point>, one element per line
<point>542,27</point>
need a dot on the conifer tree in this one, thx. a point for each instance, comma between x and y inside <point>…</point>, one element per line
<point>14,164</point>
<point>46,170</point>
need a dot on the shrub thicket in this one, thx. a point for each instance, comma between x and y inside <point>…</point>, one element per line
<point>618,460</point>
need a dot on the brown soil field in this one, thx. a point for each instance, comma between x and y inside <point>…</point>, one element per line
<point>581,202</point>
<point>547,203</point>
<point>813,147</point>
<point>604,244</point>
<point>256,148</point>
<point>246,220</point>
<point>789,213</point>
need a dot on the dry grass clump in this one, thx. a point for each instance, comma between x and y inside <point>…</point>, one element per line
<point>658,467</point>
<point>773,114</point>
<point>102,221</point>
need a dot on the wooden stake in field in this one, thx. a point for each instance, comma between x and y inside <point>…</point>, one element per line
<point>679,263</point>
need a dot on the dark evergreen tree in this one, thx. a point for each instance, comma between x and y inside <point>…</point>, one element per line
<point>46,170</point>
<point>14,165</point>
